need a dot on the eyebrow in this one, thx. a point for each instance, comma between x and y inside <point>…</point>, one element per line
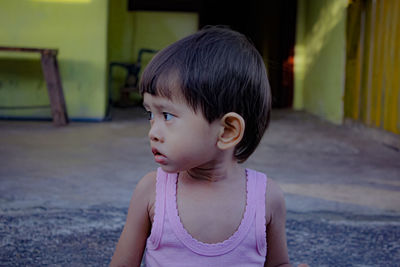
<point>157,106</point>
<point>145,105</point>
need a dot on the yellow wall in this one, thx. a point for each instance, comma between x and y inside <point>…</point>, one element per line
<point>373,64</point>
<point>300,56</point>
<point>78,29</point>
<point>157,30</point>
<point>131,31</point>
<point>320,58</point>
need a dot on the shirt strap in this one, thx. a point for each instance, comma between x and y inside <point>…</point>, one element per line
<point>260,214</point>
<point>157,227</point>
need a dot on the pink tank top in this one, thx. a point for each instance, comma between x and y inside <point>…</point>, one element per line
<point>169,244</point>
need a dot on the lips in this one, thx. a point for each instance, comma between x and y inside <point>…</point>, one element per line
<point>158,157</point>
<point>155,151</point>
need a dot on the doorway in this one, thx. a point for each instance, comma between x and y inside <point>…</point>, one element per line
<point>270,25</point>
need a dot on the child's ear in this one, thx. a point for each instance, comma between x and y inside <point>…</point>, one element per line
<point>232,130</point>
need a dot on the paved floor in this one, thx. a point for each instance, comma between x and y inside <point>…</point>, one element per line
<point>64,192</point>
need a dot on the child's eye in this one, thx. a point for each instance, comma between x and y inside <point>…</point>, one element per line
<point>167,116</point>
<point>150,115</point>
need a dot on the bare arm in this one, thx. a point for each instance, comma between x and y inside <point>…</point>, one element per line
<point>132,242</point>
<point>277,254</point>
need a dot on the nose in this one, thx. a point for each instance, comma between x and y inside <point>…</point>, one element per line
<point>155,134</point>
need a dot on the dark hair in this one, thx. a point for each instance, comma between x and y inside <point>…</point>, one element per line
<point>218,71</point>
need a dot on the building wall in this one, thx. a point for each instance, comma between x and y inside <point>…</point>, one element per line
<point>373,64</point>
<point>320,55</point>
<point>131,31</point>
<point>78,29</point>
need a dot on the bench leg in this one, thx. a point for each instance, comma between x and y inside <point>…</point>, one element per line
<point>54,87</point>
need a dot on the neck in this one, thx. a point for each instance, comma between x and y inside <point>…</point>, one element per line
<point>216,171</point>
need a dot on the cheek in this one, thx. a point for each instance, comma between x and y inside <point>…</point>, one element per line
<point>200,135</point>
<point>193,136</point>
<point>191,144</point>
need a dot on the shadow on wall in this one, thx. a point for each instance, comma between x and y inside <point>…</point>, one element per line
<point>318,37</point>
<point>23,89</point>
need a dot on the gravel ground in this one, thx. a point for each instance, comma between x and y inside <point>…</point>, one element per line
<point>64,192</point>
<point>87,237</point>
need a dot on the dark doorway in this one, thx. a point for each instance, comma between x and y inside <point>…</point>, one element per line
<point>271,27</point>
<point>270,24</point>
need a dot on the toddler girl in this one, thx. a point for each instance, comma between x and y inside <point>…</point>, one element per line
<point>208,100</point>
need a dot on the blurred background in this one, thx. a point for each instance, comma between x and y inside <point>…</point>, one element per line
<point>336,59</point>
<point>333,144</point>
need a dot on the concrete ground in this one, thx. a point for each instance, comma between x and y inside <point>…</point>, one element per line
<point>64,192</point>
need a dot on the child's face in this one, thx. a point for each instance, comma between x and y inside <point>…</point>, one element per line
<point>180,139</point>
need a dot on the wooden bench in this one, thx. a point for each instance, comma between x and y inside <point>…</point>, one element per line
<point>53,81</point>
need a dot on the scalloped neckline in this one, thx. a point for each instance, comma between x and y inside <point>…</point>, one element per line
<point>212,249</point>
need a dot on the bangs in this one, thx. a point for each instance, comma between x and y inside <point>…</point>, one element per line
<point>161,77</point>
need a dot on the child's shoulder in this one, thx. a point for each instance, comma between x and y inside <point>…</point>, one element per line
<point>145,193</point>
<point>148,182</point>
<point>146,187</point>
<point>274,200</point>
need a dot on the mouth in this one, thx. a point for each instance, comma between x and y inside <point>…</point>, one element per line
<point>156,152</point>
<point>158,157</point>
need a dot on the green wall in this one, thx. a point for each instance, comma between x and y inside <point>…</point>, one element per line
<point>131,31</point>
<point>78,29</point>
<point>88,34</point>
<point>320,57</point>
